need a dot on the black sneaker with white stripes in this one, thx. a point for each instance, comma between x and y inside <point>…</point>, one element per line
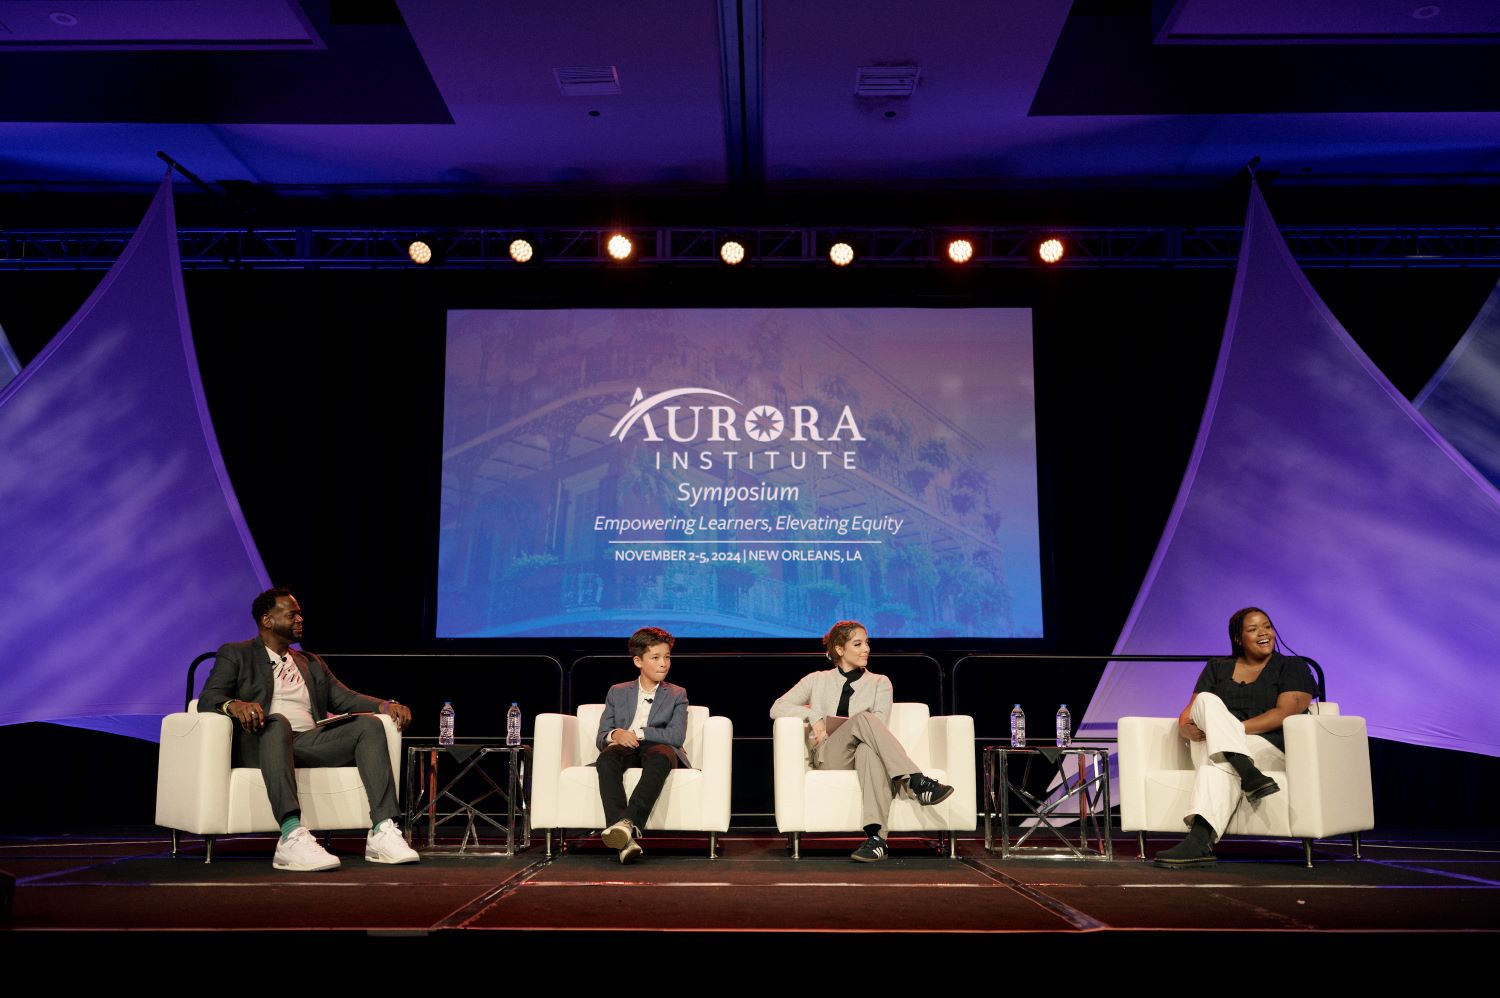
<point>927,790</point>
<point>873,850</point>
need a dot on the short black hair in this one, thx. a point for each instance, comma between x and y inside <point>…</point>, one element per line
<point>266,602</point>
<point>642,640</point>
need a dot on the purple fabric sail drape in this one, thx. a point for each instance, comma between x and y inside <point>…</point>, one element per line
<point>124,550</point>
<point>1316,491</point>
<point>9,366</point>
<point>1462,399</point>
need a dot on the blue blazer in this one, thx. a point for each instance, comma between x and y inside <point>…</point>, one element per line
<point>667,722</point>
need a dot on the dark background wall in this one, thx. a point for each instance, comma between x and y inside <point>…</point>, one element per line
<point>325,389</point>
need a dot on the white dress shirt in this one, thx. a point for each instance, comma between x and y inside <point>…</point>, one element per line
<point>643,703</point>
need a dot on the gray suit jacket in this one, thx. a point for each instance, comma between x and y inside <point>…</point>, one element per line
<point>242,671</point>
<point>667,722</point>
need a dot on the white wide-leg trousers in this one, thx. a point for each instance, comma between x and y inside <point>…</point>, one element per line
<point>1216,788</point>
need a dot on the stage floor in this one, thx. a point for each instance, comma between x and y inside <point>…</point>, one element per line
<point>1438,885</point>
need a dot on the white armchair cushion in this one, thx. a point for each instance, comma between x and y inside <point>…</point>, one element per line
<point>565,786</point>
<point>1325,778</point>
<point>331,797</point>
<point>198,792</point>
<point>810,800</point>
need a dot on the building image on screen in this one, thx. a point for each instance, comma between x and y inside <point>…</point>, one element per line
<point>739,472</point>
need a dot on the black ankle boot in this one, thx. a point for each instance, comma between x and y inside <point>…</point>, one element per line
<point>1253,782</point>
<point>1195,850</point>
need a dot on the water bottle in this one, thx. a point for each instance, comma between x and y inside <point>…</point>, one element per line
<point>1017,727</point>
<point>513,726</point>
<point>445,724</point>
<point>1064,727</point>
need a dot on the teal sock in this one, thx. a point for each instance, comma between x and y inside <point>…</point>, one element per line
<point>376,827</point>
<point>290,825</point>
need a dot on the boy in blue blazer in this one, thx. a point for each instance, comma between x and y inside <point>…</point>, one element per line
<point>644,724</point>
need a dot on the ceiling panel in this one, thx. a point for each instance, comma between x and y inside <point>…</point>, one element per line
<point>979,62</point>
<point>1286,22</point>
<point>83,25</point>
<point>477,104</point>
<point>463,96</point>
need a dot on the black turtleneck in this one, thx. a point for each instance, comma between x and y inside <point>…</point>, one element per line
<point>850,678</point>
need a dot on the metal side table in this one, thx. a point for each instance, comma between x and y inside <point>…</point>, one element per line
<point>491,774</point>
<point>1084,789</point>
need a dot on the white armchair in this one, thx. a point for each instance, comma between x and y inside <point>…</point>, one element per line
<point>812,800</point>
<point>1325,781</point>
<point>565,787</point>
<point>197,791</point>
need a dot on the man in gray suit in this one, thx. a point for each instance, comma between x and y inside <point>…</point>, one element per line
<point>644,724</point>
<point>277,694</point>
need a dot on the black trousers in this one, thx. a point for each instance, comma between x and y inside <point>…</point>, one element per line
<point>360,740</point>
<point>656,761</point>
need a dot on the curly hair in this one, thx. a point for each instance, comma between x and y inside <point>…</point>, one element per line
<point>838,636</point>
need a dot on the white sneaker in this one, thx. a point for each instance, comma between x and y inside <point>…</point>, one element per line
<point>300,851</point>
<point>386,845</point>
<point>619,835</point>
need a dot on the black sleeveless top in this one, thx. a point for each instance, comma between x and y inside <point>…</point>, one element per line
<point>1246,700</point>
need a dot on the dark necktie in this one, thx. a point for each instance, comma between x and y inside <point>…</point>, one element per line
<point>850,678</point>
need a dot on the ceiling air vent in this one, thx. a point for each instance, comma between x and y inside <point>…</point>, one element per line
<point>587,81</point>
<point>886,81</point>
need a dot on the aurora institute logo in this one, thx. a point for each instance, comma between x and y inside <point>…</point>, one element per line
<point>717,423</point>
<point>809,442</point>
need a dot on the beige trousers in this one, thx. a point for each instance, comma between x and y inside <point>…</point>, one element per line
<point>864,744</point>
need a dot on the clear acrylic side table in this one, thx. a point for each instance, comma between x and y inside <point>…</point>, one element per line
<point>1082,796</point>
<point>492,775</point>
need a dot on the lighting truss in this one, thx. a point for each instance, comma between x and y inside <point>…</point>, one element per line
<point>774,247</point>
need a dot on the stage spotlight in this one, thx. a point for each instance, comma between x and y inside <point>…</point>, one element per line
<point>420,252</point>
<point>731,252</point>
<point>960,251</point>
<point>1051,250</point>
<point>520,250</point>
<point>619,247</point>
<point>842,254</point>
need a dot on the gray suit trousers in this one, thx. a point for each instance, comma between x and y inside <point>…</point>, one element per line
<point>359,740</point>
<point>864,744</point>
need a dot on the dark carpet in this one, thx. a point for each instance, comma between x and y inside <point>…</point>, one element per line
<point>1407,884</point>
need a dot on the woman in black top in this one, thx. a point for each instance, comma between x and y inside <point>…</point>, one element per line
<point>1232,721</point>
